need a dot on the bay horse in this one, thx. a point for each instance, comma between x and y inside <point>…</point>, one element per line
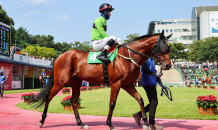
<point>41,81</point>
<point>206,80</point>
<point>71,68</point>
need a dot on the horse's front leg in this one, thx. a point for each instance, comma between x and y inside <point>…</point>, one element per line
<point>130,88</point>
<point>115,88</point>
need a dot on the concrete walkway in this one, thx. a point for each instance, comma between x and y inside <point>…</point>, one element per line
<point>14,118</point>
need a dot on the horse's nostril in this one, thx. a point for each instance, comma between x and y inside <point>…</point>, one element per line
<point>167,66</point>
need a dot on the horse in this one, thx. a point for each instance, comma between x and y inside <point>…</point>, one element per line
<point>41,81</point>
<point>206,80</point>
<point>71,68</point>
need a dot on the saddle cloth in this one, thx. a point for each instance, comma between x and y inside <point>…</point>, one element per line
<point>93,60</point>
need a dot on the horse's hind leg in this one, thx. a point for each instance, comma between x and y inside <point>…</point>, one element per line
<point>75,85</point>
<point>130,88</point>
<point>55,89</point>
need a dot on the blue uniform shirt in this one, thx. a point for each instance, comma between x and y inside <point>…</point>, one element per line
<point>2,78</point>
<point>146,77</point>
<point>46,81</point>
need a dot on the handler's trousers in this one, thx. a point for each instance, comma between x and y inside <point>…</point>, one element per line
<point>153,102</point>
<point>2,86</point>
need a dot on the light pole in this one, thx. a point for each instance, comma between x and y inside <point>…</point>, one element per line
<point>15,46</point>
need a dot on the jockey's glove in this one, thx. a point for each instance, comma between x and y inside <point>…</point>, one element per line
<point>119,41</point>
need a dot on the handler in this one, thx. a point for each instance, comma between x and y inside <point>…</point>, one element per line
<point>149,79</point>
<point>101,40</point>
<point>2,82</point>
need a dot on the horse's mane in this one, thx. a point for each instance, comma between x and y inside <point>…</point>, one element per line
<point>141,37</point>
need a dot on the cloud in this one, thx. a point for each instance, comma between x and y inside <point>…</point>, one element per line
<point>60,17</point>
<point>35,2</point>
<point>30,13</point>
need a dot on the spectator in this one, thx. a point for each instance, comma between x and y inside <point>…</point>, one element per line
<point>214,76</point>
<point>192,75</point>
<point>2,83</point>
<point>47,79</point>
<point>83,83</point>
<point>52,61</point>
<point>207,73</point>
<point>196,82</point>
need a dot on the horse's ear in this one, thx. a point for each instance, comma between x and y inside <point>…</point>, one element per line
<point>162,35</point>
<point>169,36</point>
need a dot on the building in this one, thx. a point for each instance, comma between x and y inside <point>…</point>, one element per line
<point>204,22</point>
<point>181,29</point>
<point>20,71</point>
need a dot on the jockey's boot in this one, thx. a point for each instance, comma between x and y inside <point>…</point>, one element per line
<point>103,56</point>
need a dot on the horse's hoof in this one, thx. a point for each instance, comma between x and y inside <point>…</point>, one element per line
<point>40,124</point>
<point>113,129</point>
<point>145,127</point>
<point>85,127</point>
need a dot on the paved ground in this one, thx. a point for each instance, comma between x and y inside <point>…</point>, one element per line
<point>14,118</point>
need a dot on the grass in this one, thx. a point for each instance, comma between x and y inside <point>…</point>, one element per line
<point>21,91</point>
<point>96,102</point>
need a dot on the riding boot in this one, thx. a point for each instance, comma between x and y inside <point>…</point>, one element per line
<point>103,55</point>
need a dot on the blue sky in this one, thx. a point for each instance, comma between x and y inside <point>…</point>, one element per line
<point>72,20</point>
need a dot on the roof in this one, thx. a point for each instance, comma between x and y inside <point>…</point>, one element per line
<point>205,8</point>
<point>26,64</point>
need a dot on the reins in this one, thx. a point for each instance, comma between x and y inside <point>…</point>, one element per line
<point>129,58</point>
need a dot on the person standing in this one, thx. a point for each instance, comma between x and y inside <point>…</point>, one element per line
<point>101,40</point>
<point>149,79</point>
<point>2,82</point>
<point>47,79</point>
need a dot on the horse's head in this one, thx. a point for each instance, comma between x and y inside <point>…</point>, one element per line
<point>161,51</point>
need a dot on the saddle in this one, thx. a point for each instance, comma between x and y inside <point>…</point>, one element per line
<point>105,69</point>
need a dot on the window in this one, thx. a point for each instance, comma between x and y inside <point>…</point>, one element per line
<point>175,38</point>
<point>180,38</point>
<point>177,30</point>
<point>170,39</point>
<point>171,30</point>
<point>158,31</point>
<point>166,30</point>
<point>184,38</point>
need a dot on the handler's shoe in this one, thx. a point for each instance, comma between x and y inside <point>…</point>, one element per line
<point>155,126</point>
<point>137,118</point>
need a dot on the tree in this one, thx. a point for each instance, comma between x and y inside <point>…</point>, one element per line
<point>39,51</point>
<point>131,36</point>
<point>4,18</point>
<point>193,50</point>
<point>208,49</point>
<point>23,38</point>
<point>81,46</point>
<point>177,51</point>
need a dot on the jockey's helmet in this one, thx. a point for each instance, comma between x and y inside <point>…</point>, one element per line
<point>105,7</point>
<point>1,71</point>
<point>47,76</point>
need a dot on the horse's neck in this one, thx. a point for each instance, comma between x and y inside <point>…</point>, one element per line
<point>143,46</point>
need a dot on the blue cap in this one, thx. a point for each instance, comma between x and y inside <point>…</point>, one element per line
<point>1,71</point>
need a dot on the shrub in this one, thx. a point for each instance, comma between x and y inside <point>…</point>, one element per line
<point>64,90</point>
<point>204,86</point>
<point>213,87</point>
<point>171,85</point>
<point>66,101</point>
<point>83,88</point>
<point>28,96</point>
<point>188,85</point>
<point>208,101</point>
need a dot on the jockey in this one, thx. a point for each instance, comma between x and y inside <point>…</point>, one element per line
<point>101,40</point>
<point>2,83</point>
<point>43,74</point>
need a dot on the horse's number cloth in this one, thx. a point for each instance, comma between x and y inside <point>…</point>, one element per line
<point>92,57</point>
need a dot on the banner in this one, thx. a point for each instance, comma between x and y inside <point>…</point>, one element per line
<point>214,24</point>
<point>7,71</point>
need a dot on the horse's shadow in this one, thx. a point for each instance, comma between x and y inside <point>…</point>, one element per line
<point>121,124</point>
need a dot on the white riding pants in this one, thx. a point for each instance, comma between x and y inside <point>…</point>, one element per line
<point>100,44</point>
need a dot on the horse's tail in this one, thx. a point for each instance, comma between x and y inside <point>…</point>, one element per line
<point>42,97</point>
